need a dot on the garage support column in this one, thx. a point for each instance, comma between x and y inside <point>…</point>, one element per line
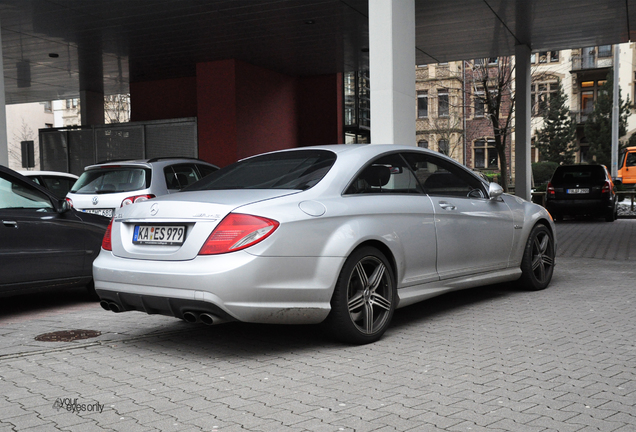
<point>4,144</point>
<point>91,108</point>
<point>523,113</point>
<point>91,79</point>
<point>392,71</point>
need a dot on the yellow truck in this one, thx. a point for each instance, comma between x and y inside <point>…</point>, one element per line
<point>627,167</point>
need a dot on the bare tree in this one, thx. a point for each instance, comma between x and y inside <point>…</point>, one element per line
<point>492,81</point>
<point>117,108</point>
<point>24,133</point>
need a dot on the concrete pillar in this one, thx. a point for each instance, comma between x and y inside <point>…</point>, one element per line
<point>392,71</point>
<point>523,112</point>
<point>91,107</point>
<point>4,144</point>
<point>91,80</point>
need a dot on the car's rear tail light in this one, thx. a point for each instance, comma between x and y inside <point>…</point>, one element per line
<point>135,199</point>
<point>70,202</point>
<point>550,190</point>
<point>606,188</point>
<point>106,241</point>
<point>238,231</point>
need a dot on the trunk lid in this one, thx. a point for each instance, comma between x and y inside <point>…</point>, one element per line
<point>175,227</point>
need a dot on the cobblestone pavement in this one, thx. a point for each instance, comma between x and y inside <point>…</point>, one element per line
<point>489,359</point>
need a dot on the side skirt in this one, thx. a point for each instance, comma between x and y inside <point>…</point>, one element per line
<point>417,293</point>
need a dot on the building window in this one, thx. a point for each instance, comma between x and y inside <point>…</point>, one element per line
<point>443,147</point>
<point>541,93</point>
<point>605,51</point>
<point>422,104</point>
<point>48,125</point>
<point>485,154</point>
<point>554,56</point>
<point>48,107</point>
<point>480,106</point>
<point>533,58</point>
<point>543,57</point>
<point>422,144</point>
<point>442,103</point>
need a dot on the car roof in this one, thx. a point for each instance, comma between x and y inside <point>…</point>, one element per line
<point>362,149</point>
<point>148,163</point>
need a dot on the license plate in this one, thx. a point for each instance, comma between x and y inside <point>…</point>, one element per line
<point>101,212</point>
<point>578,191</point>
<point>159,234</point>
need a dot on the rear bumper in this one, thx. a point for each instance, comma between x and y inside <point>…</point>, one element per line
<point>579,207</point>
<point>237,286</point>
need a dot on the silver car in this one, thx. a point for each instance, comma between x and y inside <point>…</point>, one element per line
<point>337,234</point>
<point>104,187</point>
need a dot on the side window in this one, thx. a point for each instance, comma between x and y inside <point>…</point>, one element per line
<point>442,178</point>
<point>631,159</point>
<point>387,174</point>
<point>180,176</point>
<point>14,195</point>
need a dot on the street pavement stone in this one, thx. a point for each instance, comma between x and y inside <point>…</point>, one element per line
<point>495,358</point>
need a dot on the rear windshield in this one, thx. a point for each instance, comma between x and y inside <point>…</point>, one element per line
<point>301,169</point>
<point>58,185</point>
<point>112,180</point>
<point>579,174</point>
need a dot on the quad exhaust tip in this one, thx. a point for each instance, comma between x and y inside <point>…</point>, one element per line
<point>110,306</point>
<point>190,317</point>
<point>205,318</point>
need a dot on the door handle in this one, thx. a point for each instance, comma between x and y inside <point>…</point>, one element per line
<point>446,205</point>
<point>10,224</point>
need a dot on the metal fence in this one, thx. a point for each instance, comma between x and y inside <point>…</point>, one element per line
<point>70,149</point>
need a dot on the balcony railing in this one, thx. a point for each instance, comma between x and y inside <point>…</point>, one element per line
<point>582,62</point>
<point>581,116</point>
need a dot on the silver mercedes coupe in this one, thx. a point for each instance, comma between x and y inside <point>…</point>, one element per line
<point>342,235</point>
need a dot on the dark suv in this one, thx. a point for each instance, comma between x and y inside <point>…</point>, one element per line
<point>581,190</point>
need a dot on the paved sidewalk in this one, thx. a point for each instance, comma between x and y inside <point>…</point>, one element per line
<point>489,359</point>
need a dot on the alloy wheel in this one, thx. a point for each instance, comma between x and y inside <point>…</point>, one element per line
<point>369,295</point>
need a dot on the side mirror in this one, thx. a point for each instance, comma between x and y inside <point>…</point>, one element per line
<point>494,191</point>
<point>62,206</point>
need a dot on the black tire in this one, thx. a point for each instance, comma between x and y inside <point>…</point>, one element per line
<point>90,290</point>
<point>364,299</point>
<point>611,215</point>
<point>538,261</point>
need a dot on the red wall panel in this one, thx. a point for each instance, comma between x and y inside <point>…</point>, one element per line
<point>321,110</point>
<point>217,112</point>
<point>243,109</point>
<point>266,110</point>
<point>163,99</point>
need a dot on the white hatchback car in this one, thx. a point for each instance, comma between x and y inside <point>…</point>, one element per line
<point>57,182</point>
<point>102,188</point>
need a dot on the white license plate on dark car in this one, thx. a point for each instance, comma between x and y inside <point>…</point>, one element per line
<point>159,234</point>
<point>101,212</point>
<point>579,191</point>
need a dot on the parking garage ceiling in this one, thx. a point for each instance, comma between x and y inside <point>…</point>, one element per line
<point>51,48</point>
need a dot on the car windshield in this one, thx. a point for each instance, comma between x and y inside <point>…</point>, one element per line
<point>112,180</point>
<point>578,174</point>
<point>301,169</point>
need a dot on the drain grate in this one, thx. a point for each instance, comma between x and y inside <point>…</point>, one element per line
<point>67,335</point>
